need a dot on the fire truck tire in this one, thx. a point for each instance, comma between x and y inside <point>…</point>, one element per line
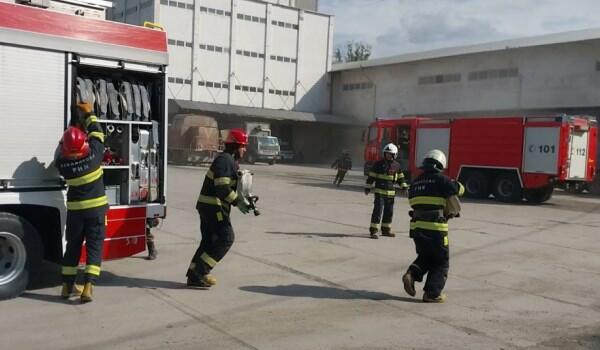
<point>506,188</point>
<point>476,184</point>
<point>250,158</point>
<point>21,253</point>
<point>271,162</point>
<point>540,195</point>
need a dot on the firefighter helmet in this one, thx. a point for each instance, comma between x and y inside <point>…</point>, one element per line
<point>237,136</point>
<point>390,148</point>
<point>436,158</point>
<point>74,143</point>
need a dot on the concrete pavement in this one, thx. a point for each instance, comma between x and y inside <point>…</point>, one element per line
<point>304,275</point>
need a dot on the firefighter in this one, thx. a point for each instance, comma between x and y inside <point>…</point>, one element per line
<point>79,161</point>
<point>385,173</point>
<point>217,196</point>
<point>433,198</point>
<point>342,164</point>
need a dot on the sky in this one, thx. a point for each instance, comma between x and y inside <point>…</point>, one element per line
<point>394,27</point>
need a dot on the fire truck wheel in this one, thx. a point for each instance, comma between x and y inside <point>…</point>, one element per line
<point>250,158</point>
<point>539,195</point>
<point>476,184</point>
<point>507,188</point>
<point>21,253</point>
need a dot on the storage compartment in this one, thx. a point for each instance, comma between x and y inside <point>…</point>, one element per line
<point>128,103</point>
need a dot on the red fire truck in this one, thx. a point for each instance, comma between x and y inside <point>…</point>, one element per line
<point>51,60</point>
<point>511,157</point>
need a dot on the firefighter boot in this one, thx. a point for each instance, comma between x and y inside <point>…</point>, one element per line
<point>205,281</point>
<point>373,233</point>
<point>386,231</point>
<point>409,284</point>
<point>87,294</point>
<point>431,299</point>
<point>70,290</point>
<point>152,253</point>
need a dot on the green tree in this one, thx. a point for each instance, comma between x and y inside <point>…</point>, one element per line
<point>355,51</point>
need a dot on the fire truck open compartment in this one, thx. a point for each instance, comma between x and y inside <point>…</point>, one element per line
<point>127,102</point>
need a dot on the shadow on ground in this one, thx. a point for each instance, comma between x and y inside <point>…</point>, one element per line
<point>321,234</point>
<point>50,277</point>
<point>323,292</point>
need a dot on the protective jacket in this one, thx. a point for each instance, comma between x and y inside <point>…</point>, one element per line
<point>84,177</point>
<point>219,187</point>
<point>386,173</point>
<point>428,196</point>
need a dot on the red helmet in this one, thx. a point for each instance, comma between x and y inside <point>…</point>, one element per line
<point>238,136</point>
<point>74,143</point>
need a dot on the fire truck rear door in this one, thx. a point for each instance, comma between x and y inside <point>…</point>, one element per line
<point>578,153</point>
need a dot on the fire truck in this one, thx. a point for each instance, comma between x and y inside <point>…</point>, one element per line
<point>509,157</point>
<point>49,61</point>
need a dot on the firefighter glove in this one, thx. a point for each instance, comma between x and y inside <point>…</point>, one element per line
<point>85,107</point>
<point>244,206</point>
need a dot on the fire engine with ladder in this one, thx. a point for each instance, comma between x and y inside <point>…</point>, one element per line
<point>509,157</point>
<point>53,55</point>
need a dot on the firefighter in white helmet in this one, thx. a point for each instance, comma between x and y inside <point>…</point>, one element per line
<point>433,197</point>
<point>385,174</point>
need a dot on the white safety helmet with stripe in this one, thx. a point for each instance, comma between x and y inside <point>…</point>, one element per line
<point>435,157</point>
<point>390,148</point>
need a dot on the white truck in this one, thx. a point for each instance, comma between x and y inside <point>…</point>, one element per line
<point>51,60</point>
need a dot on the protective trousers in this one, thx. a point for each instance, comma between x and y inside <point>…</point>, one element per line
<point>385,205</point>
<point>339,177</point>
<point>433,259</point>
<point>79,227</point>
<point>217,238</point>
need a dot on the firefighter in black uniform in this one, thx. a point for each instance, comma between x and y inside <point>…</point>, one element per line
<point>385,173</point>
<point>434,200</point>
<point>217,196</point>
<point>79,162</point>
<point>342,164</point>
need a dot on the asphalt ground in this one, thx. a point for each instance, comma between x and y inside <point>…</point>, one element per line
<point>305,275</point>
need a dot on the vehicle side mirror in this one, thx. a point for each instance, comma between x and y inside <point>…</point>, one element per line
<point>364,136</point>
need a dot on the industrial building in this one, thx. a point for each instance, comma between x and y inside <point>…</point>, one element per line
<point>248,60</point>
<point>550,73</point>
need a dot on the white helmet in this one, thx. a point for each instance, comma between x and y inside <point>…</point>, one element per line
<point>437,157</point>
<point>390,148</point>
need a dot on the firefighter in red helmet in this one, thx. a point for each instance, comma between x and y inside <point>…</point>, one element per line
<point>79,160</point>
<point>217,195</point>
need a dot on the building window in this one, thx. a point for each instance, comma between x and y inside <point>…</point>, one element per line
<point>250,53</point>
<point>285,25</point>
<point>439,79</point>
<point>250,18</point>
<point>493,74</point>
<point>171,80</point>
<point>357,86</point>
<point>283,59</point>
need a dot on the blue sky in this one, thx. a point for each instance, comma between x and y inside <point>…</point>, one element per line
<point>402,26</point>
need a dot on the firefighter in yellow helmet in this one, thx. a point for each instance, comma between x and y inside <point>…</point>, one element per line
<point>433,198</point>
